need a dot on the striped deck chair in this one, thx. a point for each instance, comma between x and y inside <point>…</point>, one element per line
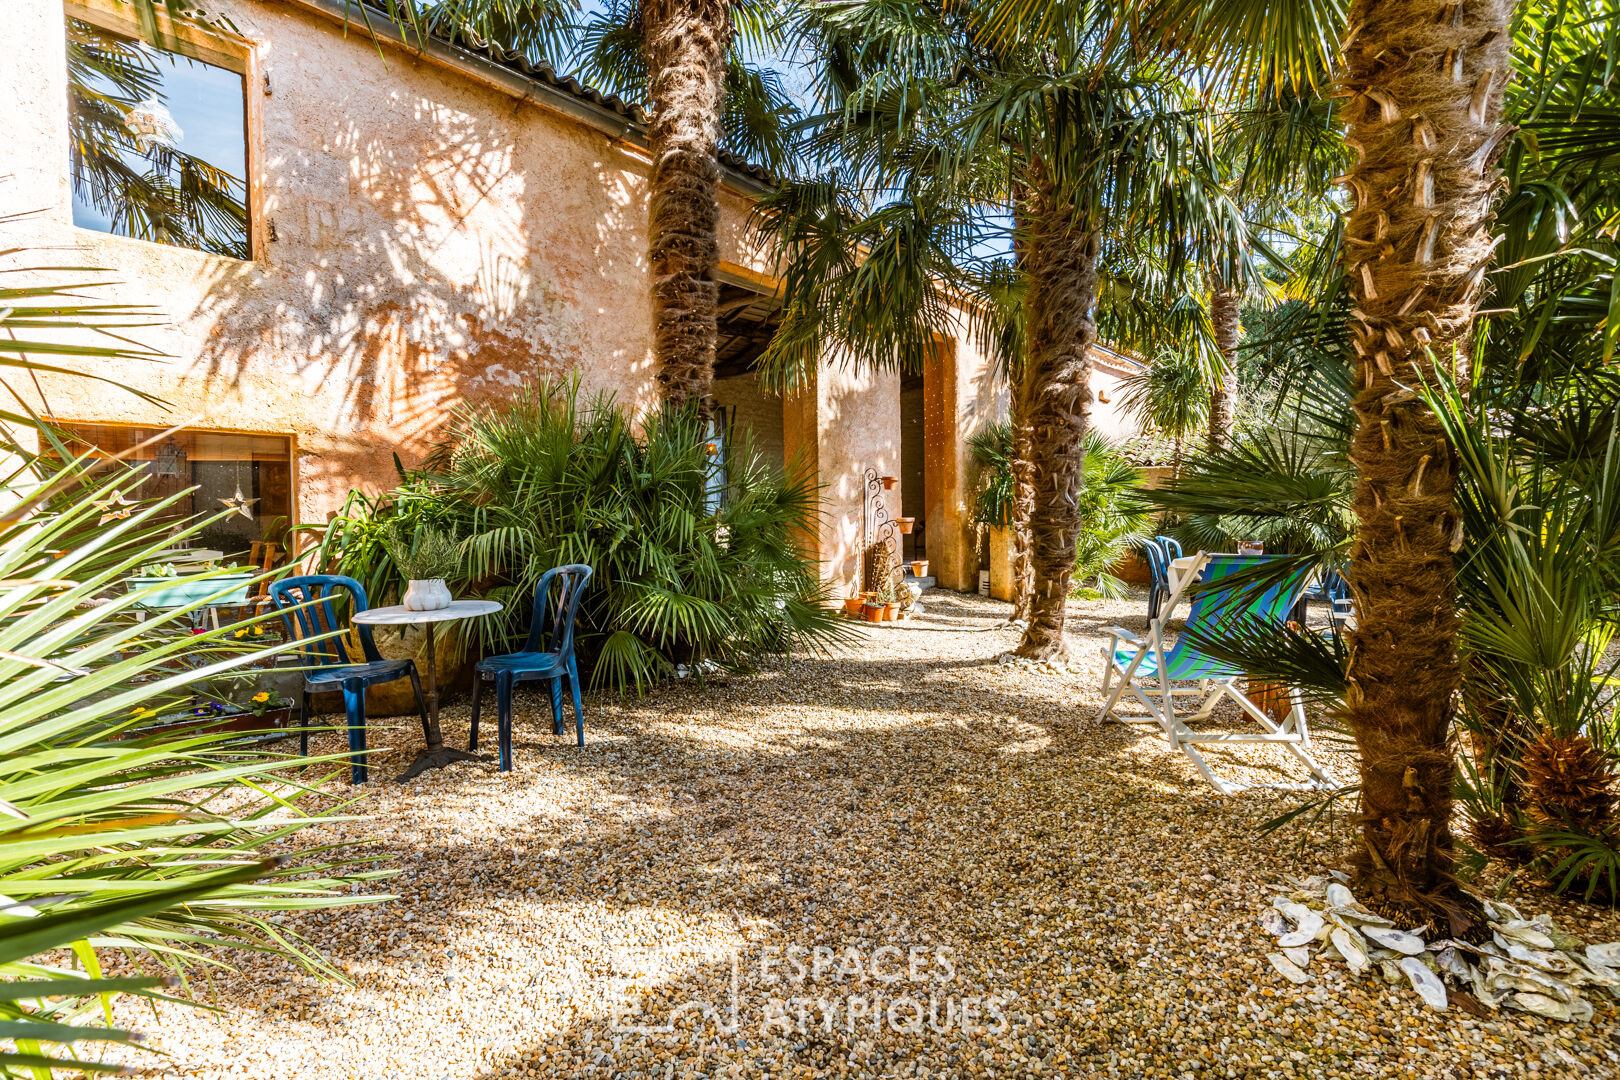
<point>1150,673</point>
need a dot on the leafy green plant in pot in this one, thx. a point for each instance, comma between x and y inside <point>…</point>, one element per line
<point>425,557</point>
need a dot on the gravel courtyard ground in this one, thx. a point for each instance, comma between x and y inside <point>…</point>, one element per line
<point>908,860</point>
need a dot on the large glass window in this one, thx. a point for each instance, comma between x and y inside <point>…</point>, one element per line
<point>250,473</point>
<point>158,143</point>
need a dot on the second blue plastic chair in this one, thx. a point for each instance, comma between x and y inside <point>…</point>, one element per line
<point>313,601</point>
<point>548,655</point>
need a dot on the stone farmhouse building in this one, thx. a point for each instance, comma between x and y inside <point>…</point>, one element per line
<point>419,229</point>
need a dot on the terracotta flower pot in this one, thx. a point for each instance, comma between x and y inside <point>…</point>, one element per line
<point>853,605</point>
<point>919,568</point>
<point>872,612</point>
<point>891,612</point>
<point>889,482</point>
<point>905,524</point>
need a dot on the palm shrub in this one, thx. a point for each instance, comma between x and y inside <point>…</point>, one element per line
<point>991,448</point>
<point>1113,518</point>
<point>114,841</point>
<point>544,480</point>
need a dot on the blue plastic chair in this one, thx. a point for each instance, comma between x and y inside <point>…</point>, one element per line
<point>309,607</point>
<point>548,655</point>
<point>1170,546</point>
<point>1148,670</point>
<point>1159,573</point>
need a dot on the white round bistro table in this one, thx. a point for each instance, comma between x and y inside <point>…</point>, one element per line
<point>437,755</point>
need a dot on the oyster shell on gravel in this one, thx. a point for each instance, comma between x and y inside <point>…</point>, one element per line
<point>1550,1007</point>
<point>1339,896</point>
<point>1398,940</point>
<point>1309,926</point>
<point>1607,954</point>
<point>1351,947</point>
<point>1521,932</point>
<point>1429,986</point>
<point>1299,954</point>
<point>1556,963</point>
<point>1506,975</point>
<point>1451,962</point>
<point>1288,969</point>
<point>1273,923</point>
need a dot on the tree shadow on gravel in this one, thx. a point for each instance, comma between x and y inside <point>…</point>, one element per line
<point>1080,873</point>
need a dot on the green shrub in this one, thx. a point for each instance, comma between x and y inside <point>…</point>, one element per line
<point>541,480</point>
<point>1112,517</point>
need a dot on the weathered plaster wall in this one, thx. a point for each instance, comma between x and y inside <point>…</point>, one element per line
<point>436,241</point>
<point>1108,413</point>
<point>857,425</point>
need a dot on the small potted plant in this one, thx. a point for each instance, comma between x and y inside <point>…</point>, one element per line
<point>853,605</point>
<point>919,568</point>
<point>872,610</point>
<point>891,603</point>
<point>905,524</point>
<point>424,561</point>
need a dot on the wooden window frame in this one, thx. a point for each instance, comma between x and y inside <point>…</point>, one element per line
<point>209,45</point>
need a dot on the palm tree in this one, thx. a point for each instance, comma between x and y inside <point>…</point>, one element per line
<point>1417,248</point>
<point>1531,414</point>
<point>944,114</point>
<point>1171,396</point>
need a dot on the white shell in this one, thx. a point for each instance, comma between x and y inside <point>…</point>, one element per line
<point>1273,923</point>
<point>1339,896</point>
<point>1524,933</point>
<point>1542,1005</point>
<point>1425,982</point>
<point>1348,942</point>
<point>1300,955</point>
<point>1391,971</point>
<point>1546,961</point>
<point>1287,968</point>
<point>1357,914</point>
<point>1401,942</point>
<point>1450,961</point>
<point>1607,954</point>
<point>1310,924</point>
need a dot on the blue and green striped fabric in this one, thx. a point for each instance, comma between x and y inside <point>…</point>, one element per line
<point>1213,608</point>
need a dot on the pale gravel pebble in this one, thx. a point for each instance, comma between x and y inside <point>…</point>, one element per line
<point>912,791</point>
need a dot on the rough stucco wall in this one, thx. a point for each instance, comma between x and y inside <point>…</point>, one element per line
<point>970,398</point>
<point>756,416</point>
<point>1109,416</point>
<point>437,241</point>
<point>858,425</point>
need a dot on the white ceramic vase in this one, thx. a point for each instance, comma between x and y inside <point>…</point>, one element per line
<point>428,595</point>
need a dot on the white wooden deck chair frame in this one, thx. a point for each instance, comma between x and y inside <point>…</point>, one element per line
<point>1157,693</point>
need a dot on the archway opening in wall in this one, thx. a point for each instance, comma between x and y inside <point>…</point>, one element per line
<point>750,415</point>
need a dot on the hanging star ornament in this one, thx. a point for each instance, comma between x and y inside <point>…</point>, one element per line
<point>114,509</point>
<point>240,504</point>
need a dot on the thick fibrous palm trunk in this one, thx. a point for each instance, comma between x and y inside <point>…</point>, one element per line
<point>686,43</point>
<point>1023,567</point>
<point>1023,570</point>
<point>1425,81</point>
<point>1223,313</point>
<point>1062,291</point>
